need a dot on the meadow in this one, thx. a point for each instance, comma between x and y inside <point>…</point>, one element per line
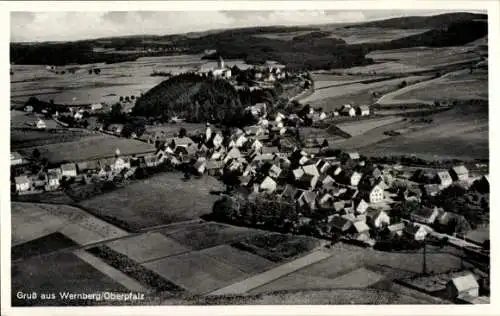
<point>115,80</point>
<point>159,200</point>
<point>90,148</point>
<point>355,128</point>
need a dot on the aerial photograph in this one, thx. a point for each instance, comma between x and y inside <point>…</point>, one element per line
<point>295,157</point>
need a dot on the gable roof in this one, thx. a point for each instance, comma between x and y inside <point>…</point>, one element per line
<point>68,167</point>
<point>340,223</point>
<point>396,227</point>
<point>361,226</point>
<point>353,155</point>
<point>444,175</point>
<point>460,170</point>
<point>465,283</point>
<point>21,180</point>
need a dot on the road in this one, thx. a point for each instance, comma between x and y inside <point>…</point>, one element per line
<point>273,274</point>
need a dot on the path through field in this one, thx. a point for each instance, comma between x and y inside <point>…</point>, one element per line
<point>273,274</point>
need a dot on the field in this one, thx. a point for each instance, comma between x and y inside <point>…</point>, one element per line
<point>22,138</point>
<point>451,135</point>
<point>357,93</point>
<point>160,200</point>
<point>31,221</point>
<point>356,128</point>
<point>413,60</point>
<point>170,130</point>
<point>90,148</point>
<point>115,80</point>
<point>19,119</point>
<point>60,272</point>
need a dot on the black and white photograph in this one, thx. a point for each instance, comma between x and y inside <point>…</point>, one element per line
<point>248,157</point>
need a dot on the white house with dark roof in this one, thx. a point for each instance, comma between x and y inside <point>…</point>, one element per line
<point>377,218</point>
<point>274,171</point>
<point>23,183</point>
<point>363,110</point>
<point>417,232</point>
<point>444,179</point>
<point>268,185</point>
<point>16,159</point>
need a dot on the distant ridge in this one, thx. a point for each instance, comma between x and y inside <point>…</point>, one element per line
<point>423,22</point>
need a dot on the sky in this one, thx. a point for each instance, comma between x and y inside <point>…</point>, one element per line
<point>65,26</point>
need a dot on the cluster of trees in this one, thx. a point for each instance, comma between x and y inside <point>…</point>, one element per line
<point>194,98</point>
<point>96,71</point>
<point>47,107</point>
<point>266,212</point>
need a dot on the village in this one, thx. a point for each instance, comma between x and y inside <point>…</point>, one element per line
<point>276,181</point>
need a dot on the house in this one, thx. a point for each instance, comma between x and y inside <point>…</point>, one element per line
<point>375,194</point>
<point>268,185</point>
<point>287,192</point>
<point>339,225</point>
<point>306,198</point>
<point>16,159</point>
<point>311,170</point>
<point>217,140</point>
<point>53,180</point>
<point>40,124</point>
<point>56,171</point>
<point>308,181</point>
<point>297,173</point>
<point>444,179</point>
<point>361,230</point>
<point>425,215</point>
<point>335,171</point>
<point>363,110</point>
<point>279,117</point>
<point>85,166</point>
<point>377,218</point>
<point>395,229</point>
<point>326,180</point>
<point>121,163</point>
<point>429,190</point>
<point>417,232</point>
<point>461,286</point>
<point>274,171</point>
<point>116,128</point>
<point>256,145</point>
<point>181,142</point>
<point>326,200</point>
<point>96,107</point>
<point>28,108</point>
<point>323,166</point>
<point>360,206</point>
<point>232,154</point>
<point>214,167</point>
<point>269,150</point>
<point>23,183</point>
<point>348,111</point>
<point>351,178</point>
<point>68,170</point>
<point>353,155</point>
<point>459,173</point>
<point>200,165</point>
<point>338,206</point>
<point>254,130</point>
<point>237,141</point>
<point>151,161</point>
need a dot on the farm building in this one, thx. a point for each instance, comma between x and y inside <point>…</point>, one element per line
<point>377,218</point>
<point>425,215</point>
<point>360,206</point>
<point>306,199</point>
<point>459,173</point>
<point>463,285</point>
<point>214,167</point>
<point>68,170</point>
<point>416,232</point>
<point>444,179</point>
<point>53,180</point>
<point>40,124</point>
<point>23,183</point>
<point>363,110</point>
<point>339,224</point>
<point>268,185</point>
<point>16,159</point>
<point>395,229</point>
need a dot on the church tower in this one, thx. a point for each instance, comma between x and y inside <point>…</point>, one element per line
<point>221,63</point>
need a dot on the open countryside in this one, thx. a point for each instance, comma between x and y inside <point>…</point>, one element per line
<point>323,164</point>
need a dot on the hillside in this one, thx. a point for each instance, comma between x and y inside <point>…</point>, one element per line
<point>313,49</point>
<point>423,22</point>
<point>196,98</point>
